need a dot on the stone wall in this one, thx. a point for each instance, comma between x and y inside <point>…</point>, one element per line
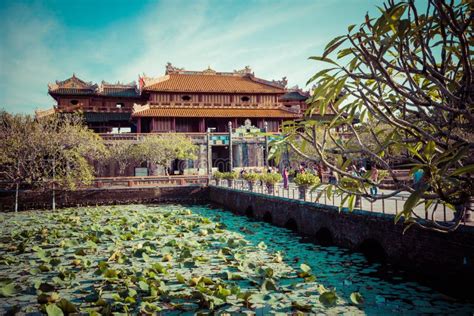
<point>439,256</point>
<point>43,200</point>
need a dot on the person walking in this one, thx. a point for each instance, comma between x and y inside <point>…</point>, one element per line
<point>285,178</point>
<point>417,178</point>
<point>374,176</point>
<point>319,171</point>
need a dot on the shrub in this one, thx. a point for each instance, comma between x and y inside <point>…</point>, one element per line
<point>251,177</point>
<point>218,175</point>
<point>230,175</point>
<point>271,178</point>
<point>306,179</point>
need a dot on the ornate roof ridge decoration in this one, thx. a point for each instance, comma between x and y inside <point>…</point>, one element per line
<point>139,108</point>
<point>274,83</point>
<point>245,72</point>
<point>72,83</point>
<point>149,81</point>
<point>132,84</point>
<point>43,113</point>
<point>296,88</point>
<point>293,109</point>
<point>107,88</point>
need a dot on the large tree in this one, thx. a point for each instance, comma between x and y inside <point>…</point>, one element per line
<point>407,77</point>
<point>162,149</point>
<point>50,152</point>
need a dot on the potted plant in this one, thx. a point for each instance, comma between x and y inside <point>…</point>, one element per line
<point>251,179</point>
<point>304,181</point>
<point>230,176</point>
<point>270,179</point>
<point>218,176</point>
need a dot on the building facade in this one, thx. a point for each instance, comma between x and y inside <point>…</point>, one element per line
<point>220,111</point>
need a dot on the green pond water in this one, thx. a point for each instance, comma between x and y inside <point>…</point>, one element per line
<point>177,259</point>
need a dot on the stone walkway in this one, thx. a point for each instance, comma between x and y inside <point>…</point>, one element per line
<point>391,205</point>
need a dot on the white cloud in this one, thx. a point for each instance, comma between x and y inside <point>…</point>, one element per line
<point>274,38</point>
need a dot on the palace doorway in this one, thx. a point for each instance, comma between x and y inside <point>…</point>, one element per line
<point>220,158</point>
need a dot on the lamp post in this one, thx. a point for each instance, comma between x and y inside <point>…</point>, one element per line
<point>265,155</point>
<point>230,147</point>
<point>209,152</point>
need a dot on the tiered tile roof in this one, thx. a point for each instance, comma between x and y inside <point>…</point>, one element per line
<point>118,90</point>
<point>72,85</point>
<point>210,81</point>
<point>76,86</point>
<point>214,112</point>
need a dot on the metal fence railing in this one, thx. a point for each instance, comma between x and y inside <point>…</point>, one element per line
<point>391,205</point>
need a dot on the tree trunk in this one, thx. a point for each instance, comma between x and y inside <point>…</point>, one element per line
<point>54,199</point>
<point>16,196</point>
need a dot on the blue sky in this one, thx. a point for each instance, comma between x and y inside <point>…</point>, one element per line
<point>44,41</point>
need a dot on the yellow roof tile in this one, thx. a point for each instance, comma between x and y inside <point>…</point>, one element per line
<point>212,83</point>
<point>214,112</point>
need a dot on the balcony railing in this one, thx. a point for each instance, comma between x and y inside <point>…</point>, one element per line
<point>200,137</point>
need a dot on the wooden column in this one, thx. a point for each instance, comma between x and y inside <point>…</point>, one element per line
<point>265,155</point>
<point>139,125</point>
<point>231,162</point>
<point>173,126</point>
<point>202,125</point>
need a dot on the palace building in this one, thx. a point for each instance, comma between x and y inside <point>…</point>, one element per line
<point>219,110</point>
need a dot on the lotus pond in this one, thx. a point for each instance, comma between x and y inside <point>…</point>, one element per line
<point>175,259</point>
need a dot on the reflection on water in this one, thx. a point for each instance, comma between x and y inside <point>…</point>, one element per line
<point>343,270</point>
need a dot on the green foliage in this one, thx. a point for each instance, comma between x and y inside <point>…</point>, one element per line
<point>328,298</point>
<point>59,146</point>
<point>163,149</point>
<point>7,289</point>
<point>356,298</point>
<point>251,176</point>
<point>230,175</point>
<point>306,179</point>
<point>123,153</point>
<point>271,178</point>
<point>218,175</point>
<point>394,91</point>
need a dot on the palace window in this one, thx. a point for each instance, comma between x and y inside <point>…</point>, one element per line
<point>186,98</point>
<point>245,99</point>
<point>74,102</point>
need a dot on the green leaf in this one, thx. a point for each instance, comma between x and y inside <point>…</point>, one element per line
<point>269,285</point>
<point>180,278</point>
<point>111,274</point>
<point>54,310</point>
<point>319,74</point>
<point>344,52</point>
<point>306,308</point>
<point>328,298</point>
<point>465,169</point>
<point>356,298</point>
<point>334,44</point>
<point>412,200</point>
<point>143,286</point>
<point>430,149</point>
<point>325,59</point>
<point>350,28</point>
<point>351,202</point>
<point>8,290</point>
<point>66,306</point>
<point>305,268</point>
